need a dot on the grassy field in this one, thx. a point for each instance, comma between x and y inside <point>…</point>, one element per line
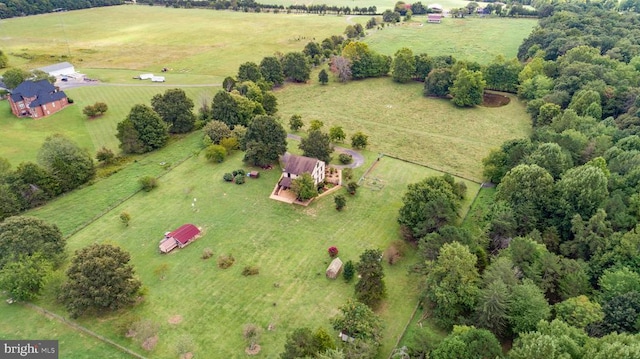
<point>198,42</point>
<point>21,322</point>
<point>473,38</point>
<point>400,121</point>
<point>89,134</point>
<point>288,244</point>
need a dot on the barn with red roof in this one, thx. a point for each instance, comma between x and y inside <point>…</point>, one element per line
<point>180,237</point>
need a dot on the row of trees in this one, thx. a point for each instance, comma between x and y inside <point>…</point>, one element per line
<point>253,6</point>
<point>13,8</point>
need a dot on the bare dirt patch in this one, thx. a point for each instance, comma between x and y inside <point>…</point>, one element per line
<point>254,351</point>
<point>494,100</point>
<point>188,355</point>
<point>176,319</point>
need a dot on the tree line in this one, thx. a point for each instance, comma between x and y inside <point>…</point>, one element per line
<point>13,8</point>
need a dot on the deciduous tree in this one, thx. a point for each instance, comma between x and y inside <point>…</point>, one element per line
<point>14,77</point>
<point>22,236</point>
<point>271,70</point>
<point>359,140</point>
<point>216,131</point>
<point>176,109</point>
<point>370,288</point>
<point>68,163</point>
<point>142,131</point>
<point>249,71</point>
<point>317,145</point>
<point>451,285</point>
<point>358,321</point>
<point>264,141</point>
<point>303,187</point>
<point>404,65</point>
<point>25,278</point>
<point>295,67</point>
<point>295,122</point>
<point>468,88</point>
<point>438,82</point>
<point>336,134</point>
<point>99,278</point>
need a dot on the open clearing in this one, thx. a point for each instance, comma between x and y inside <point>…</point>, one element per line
<point>288,244</point>
<point>400,121</point>
<point>471,39</point>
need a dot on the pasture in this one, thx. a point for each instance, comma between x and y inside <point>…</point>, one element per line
<point>400,121</point>
<point>472,38</point>
<point>91,134</point>
<point>198,42</point>
<point>288,243</point>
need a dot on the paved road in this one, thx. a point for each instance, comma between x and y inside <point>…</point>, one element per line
<point>358,158</point>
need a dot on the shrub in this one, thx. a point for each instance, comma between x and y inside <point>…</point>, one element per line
<point>241,172</point>
<point>395,252</point>
<point>250,270</point>
<point>348,271</point>
<point>215,153</point>
<point>148,183</point>
<point>207,253</point>
<point>230,144</point>
<point>125,218</point>
<point>295,122</point>
<point>333,251</point>
<point>225,261</point>
<point>239,178</point>
<point>340,201</point>
<point>347,174</point>
<point>352,187</point>
<point>345,158</point>
<point>105,155</point>
<point>227,177</point>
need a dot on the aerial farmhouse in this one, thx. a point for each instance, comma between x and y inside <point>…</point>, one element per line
<point>37,99</point>
<point>295,166</point>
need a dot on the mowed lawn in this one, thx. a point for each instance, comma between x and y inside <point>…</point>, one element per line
<point>288,243</point>
<point>21,322</point>
<point>148,38</point>
<point>23,137</point>
<point>471,39</point>
<point>400,121</point>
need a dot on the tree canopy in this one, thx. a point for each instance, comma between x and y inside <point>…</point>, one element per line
<point>265,141</point>
<point>99,278</point>
<point>176,109</point>
<point>66,162</point>
<point>142,131</point>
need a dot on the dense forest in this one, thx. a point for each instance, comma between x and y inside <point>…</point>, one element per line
<point>13,8</point>
<point>555,270</point>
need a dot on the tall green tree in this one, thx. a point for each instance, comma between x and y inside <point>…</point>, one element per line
<point>359,140</point>
<point>142,131</point>
<point>502,74</point>
<point>451,286</point>
<point>438,82</point>
<point>249,71</point>
<point>528,307</point>
<point>25,278</point>
<point>22,236</point>
<point>492,311</point>
<point>468,88</point>
<point>99,278</point>
<point>323,77</point>
<point>303,187</point>
<point>468,343</point>
<point>271,69</point>
<point>68,163</point>
<point>578,311</point>
<point>4,61</point>
<point>216,131</point>
<point>404,65</point>
<point>427,206</point>
<point>358,321</point>
<point>317,145</point>
<point>296,67</point>
<point>336,134</point>
<point>583,190</point>
<point>14,77</point>
<point>299,344</point>
<point>370,288</point>
<point>264,141</point>
<point>176,109</point>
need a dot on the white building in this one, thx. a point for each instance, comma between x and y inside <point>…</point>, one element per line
<point>60,69</point>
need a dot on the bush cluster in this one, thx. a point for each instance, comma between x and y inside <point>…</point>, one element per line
<point>250,270</point>
<point>225,261</point>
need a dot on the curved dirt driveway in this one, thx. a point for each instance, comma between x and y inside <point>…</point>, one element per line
<point>358,158</point>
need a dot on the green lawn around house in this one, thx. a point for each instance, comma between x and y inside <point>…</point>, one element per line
<point>288,243</point>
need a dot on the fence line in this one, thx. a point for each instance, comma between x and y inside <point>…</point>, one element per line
<point>121,201</point>
<point>78,327</point>
<point>432,168</point>
<point>404,331</point>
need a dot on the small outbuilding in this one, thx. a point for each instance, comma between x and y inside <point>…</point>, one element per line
<point>334,268</point>
<point>157,79</point>
<point>434,18</point>
<point>145,76</point>
<point>59,69</point>
<point>181,237</point>
<point>254,174</point>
